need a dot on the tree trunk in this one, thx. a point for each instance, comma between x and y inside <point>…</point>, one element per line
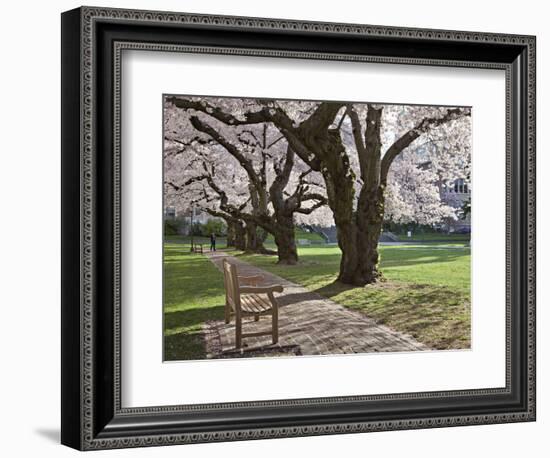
<point>230,234</point>
<point>240,236</point>
<point>340,185</point>
<point>347,243</point>
<point>285,241</point>
<point>358,240</point>
<point>370,217</point>
<point>254,243</point>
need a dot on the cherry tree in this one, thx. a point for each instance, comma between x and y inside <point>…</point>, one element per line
<point>352,146</point>
<point>198,160</point>
<point>280,185</point>
<point>413,193</point>
<point>419,175</point>
<point>185,163</point>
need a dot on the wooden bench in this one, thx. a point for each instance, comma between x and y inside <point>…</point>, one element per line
<point>243,297</point>
<point>196,248</point>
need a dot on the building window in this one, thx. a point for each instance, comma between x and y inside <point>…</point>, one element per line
<point>460,187</point>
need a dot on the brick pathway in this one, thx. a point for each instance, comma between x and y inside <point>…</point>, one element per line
<point>309,324</point>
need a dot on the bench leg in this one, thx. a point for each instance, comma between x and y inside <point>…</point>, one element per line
<point>227,314</point>
<point>238,332</point>
<point>257,317</point>
<point>275,324</point>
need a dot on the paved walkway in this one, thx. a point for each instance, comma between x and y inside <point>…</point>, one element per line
<point>309,324</point>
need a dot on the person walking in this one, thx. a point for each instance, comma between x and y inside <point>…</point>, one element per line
<point>212,242</point>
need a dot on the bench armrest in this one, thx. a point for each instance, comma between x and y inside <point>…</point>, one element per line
<point>261,289</point>
<point>253,280</point>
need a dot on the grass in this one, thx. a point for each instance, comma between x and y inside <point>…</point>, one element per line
<point>434,237</point>
<point>186,240</point>
<point>300,234</point>
<point>193,293</point>
<point>425,292</point>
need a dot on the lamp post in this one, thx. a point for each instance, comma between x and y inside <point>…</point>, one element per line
<point>192,215</point>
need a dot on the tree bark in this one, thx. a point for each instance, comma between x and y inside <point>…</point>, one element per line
<point>341,203</point>
<point>340,186</point>
<point>361,232</point>
<point>230,234</point>
<point>285,241</point>
<point>358,236</point>
<point>284,213</point>
<point>234,225</point>
<point>240,236</point>
<point>254,243</point>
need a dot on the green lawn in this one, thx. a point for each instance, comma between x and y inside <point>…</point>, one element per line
<point>186,240</point>
<point>434,237</point>
<point>193,293</point>
<point>300,234</point>
<point>426,292</point>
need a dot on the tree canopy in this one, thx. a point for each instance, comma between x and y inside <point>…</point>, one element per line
<point>271,164</point>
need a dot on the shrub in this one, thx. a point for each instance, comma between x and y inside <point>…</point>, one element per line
<point>214,226</point>
<point>175,226</point>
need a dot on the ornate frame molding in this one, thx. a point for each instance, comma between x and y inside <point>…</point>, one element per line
<point>89,435</point>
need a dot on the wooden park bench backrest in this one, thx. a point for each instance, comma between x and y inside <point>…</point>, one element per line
<point>231,282</point>
<point>253,303</point>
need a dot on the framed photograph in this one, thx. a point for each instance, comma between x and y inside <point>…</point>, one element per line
<point>276,228</point>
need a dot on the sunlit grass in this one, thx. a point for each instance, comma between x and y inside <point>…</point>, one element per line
<point>193,293</point>
<point>434,236</point>
<point>425,292</point>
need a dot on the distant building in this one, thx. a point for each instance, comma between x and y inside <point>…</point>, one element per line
<point>170,213</point>
<point>198,216</point>
<point>189,215</point>
<point>456,196</point>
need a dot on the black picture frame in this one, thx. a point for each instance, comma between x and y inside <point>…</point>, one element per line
<point>92,416</point>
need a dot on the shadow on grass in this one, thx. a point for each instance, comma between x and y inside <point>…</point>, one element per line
<point>390,257</point>
<point>333,289</point>
<point>420,293</point>
<point>173,295</point>
<point>191,317</point>
<point>413,256</point>
<point>184,346</point>
<point>239,254</point>
<point>184,339</point>
<point>436,315</point>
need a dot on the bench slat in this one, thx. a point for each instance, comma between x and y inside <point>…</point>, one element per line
<point>257,334</point>
<point>253,303</point>
<point>253,300</point>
